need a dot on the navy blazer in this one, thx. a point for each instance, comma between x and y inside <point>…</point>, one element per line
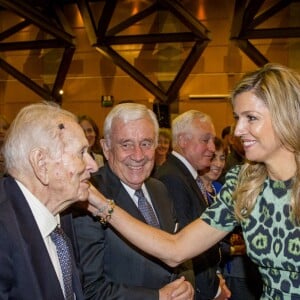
<point>189,204</point>
<point>26,271</point>
<point>112,267</point>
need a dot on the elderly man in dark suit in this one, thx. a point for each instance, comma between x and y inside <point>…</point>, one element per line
<point>48,169</point>
<point>112,267</point>
<point>193,148</point>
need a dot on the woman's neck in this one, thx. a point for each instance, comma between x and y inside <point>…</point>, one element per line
<point>284,168</point>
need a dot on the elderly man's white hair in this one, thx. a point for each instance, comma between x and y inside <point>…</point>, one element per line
<point>182,124</point>
<point>36,125</point>
<point>127,112</point>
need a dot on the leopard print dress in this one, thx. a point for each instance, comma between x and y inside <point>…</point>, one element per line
<point>272,240</point>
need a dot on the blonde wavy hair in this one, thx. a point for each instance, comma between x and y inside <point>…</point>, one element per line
<point>279,88</point>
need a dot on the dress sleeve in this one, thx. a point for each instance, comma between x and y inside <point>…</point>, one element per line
<point>221,213</point>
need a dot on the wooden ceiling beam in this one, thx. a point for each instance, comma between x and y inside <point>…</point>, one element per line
<point>21,8</point>
<point>62,73</point>
<point>14,29</point>
<point>150,38</point>
<point>251,11</point>
<point>257,57</point>
<point>188,19</point>
<point>133,72</point>
<point>237,20</point>
<point>43,93</point>
<point>269,13</point>
<point>105,18</point>
<point>132,20</point>
<point>32,45</point>
<point>272,33</point>
<point>185,70</point>
<point>88,20</point>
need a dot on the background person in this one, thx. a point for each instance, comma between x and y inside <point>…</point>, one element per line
<point>209,176</point>
<point>4,125</point>
<point>163,146</point>
<point>92,134</point>
<point>225,134</point>
<point>48,169</point>
<point>193,146</point>
<point>112,267</point>
<point>262,196</point>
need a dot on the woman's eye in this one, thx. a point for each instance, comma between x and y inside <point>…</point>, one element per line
<point>251,118</point>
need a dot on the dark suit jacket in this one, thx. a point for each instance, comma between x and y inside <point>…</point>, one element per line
<point>112,267</point>
<point>189,204</point>
<point>26,271</point>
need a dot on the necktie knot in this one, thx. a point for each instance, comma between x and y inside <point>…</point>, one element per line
<point>61,242</point>
<point>146,209</point>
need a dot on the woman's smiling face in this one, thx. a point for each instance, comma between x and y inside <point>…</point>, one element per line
<point>254,127</point>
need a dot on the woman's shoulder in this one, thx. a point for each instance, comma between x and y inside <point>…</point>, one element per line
<point>233,173</point>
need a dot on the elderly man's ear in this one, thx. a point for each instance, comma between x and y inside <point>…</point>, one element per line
<point>38,161</point>
<point>105,148</point>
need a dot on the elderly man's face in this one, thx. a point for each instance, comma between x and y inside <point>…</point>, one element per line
<point>199,148</point>
<point>131,156</point>
<point>69,173</point>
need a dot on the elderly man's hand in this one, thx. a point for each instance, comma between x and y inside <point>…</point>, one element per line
<point>225,292</point>
<point>180,289</point>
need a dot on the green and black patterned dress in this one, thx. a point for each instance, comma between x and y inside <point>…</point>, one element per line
<point>273,242</point>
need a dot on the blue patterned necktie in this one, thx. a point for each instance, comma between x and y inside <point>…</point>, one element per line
<point>146,209</point>
<point>61,242</point>
<point>203,190</point>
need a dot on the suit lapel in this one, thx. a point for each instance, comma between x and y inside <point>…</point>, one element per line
<point>35,249</point>
<point>162,210</point>
<point>188,178</point>
<point>117,192</point>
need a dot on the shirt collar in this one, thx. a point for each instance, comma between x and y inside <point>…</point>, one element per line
<point>45,220</point>
<point>131,192</point>
<point>192,170</point>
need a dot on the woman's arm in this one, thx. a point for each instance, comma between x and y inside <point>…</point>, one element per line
<point>172,249</point>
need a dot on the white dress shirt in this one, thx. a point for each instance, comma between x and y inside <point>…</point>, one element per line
<point>46,223</point>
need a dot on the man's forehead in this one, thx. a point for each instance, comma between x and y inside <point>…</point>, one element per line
<point>71,130</point>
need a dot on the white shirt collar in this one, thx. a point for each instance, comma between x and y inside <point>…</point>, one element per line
<point>131,192</point>
<point>192,170</point>
<point>46,222</point>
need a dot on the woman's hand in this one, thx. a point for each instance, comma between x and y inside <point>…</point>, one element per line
<point>96,202</point>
